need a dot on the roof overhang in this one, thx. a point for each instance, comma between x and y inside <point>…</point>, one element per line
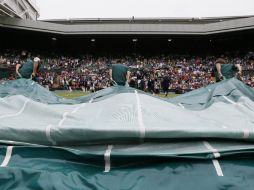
<point>131,27</point>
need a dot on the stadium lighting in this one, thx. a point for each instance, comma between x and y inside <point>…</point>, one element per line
<point>169,40</point>
<point>92,40</point>
<point>134,39</point>
<point>54,39</point>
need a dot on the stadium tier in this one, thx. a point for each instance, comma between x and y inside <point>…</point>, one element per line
<point>71,50</point>
<point>148,73</point>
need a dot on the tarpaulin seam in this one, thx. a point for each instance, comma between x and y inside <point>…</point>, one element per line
<point>7,156</point>
<point>216,154</point>
<point>12,115</point>
<point>213,150</point>
<point>18,113</point>
<point>181,105</point>
<point>48,128</point>
<point>82,105</point>
<point>140,117</point>
<point>63,119</point>
<point>48,134</point>
<point>217,167</point>
<point>78,108</point>
<point>107,158</point>
<point>230,101</point>
<point>73,111</point>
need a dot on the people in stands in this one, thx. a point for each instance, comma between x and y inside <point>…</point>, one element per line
<point>224,70</point>
<point>27,68</point>
<point>119,74</point>
<point>11,77</point>
<point>250,59</point>
<point>91,72</point>
<point>1,60</point>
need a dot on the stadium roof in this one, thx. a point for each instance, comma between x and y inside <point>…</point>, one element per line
<point>140,20</point>
<point>178,26</point>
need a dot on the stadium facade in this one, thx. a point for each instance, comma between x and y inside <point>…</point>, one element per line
<point>180,26</point>
<point>141,34</point>
<point>23,9</point>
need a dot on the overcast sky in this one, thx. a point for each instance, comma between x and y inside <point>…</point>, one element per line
<point>64,9</point>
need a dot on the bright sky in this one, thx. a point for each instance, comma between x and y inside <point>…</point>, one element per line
<point>64,9</point>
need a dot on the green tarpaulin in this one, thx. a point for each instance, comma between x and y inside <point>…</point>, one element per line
<point>122,138</point>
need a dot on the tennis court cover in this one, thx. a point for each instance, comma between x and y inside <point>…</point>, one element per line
<point>122,138</point>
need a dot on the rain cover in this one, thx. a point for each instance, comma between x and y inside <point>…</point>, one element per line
<point>122,138</point>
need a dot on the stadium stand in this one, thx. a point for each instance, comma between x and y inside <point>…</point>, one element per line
<point>88,72</point>
<point>77,53</point>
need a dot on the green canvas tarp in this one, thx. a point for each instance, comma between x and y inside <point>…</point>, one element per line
<point>122,138</point>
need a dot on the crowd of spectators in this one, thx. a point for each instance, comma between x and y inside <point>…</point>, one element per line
<point>148,73</point>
